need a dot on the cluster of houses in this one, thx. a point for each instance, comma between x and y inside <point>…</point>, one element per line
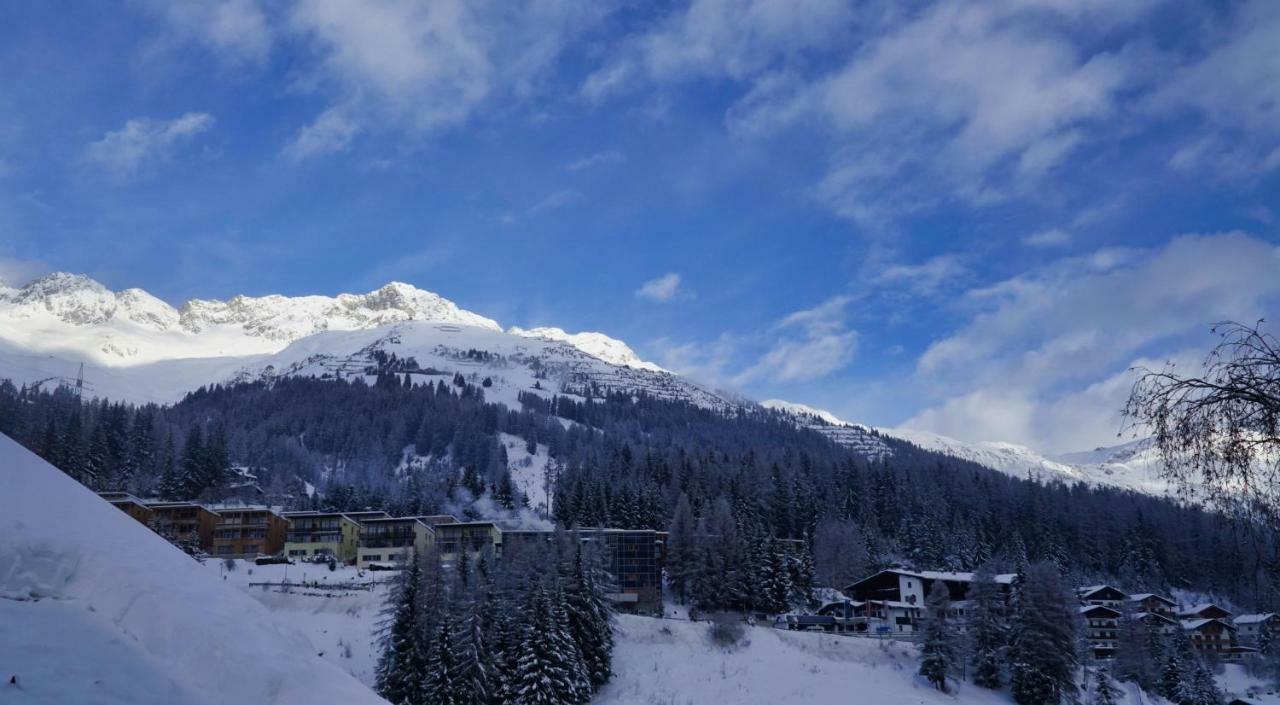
<point>891,602</point>
<point>374,539</point>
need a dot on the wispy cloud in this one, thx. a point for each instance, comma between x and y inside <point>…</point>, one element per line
<point>555,201</point>
<point>925,278</point>
<point>590,161</point>
<point>1053,237</point>
<point>663,289</point>
<point>332,132</point>
<point>1042,359</point>
<point>16,272</point>
<point>237,31</point>
<point>807,345</point>
<point>141,141</point>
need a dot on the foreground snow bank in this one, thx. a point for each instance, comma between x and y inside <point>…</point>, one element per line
<point>95,608</point>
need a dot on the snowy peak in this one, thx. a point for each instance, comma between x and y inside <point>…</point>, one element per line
<point>797,409</point>
<point>598,345</point>
<point>73,298</point>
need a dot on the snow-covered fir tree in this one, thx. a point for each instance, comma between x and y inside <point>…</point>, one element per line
<point>937,653</point>
<point>1043,636</point>
<point>402,667</point>
<point>1104,690</point>
<point>986,629</point>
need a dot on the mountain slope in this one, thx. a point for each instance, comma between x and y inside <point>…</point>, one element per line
<point>97,608</point>
<point>1131,466</point>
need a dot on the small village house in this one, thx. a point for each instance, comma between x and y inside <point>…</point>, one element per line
<point>1102,629</point>
<point>1102,595</point>
<point>1250,626</point>
<point>1153,603</point>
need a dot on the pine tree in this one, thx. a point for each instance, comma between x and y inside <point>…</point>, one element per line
<point>548,667</point>
<point>1104,691</point>
<point>442,684</point>
<point>1043,640</point>
<point>986,629</point>
<point>682,560</point>
<point>937,657</point>
<point>401,667</point>
<point>477,666</point>
<point>590,620</point>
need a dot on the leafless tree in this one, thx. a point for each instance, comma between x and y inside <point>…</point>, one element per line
<point>1219,433</point>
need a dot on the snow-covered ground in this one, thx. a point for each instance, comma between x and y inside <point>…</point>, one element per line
<point>339,620</point>
<point>529,472</point>
<point>96,608</point>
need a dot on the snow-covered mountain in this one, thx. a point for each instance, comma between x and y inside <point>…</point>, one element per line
<point>1132,466</point>
<point>136,347</point>
<point>611,350</point>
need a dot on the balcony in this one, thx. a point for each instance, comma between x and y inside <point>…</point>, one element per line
<point>388,542</point>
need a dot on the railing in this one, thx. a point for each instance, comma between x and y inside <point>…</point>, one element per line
<point>387,543</point>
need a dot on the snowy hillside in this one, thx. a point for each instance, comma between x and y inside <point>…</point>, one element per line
<point>1131,466</point>
<point>96,608</point>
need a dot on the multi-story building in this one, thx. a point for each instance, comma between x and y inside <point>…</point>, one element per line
<point>1102,629</point>
<point>1250,626</point>
<point>185,522</point>
<point>633,558</point>
<point>1212,636</point>
<point>471,537</point>
<point>912,586</point>
<point>1205,610</point>
<point>1103,595</point>
<point>130,505</point>
<point>333,534</point>
<point>391,541</point>
<point>1153,603</point>
<point>248,531</point>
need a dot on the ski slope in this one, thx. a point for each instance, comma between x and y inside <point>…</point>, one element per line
<point>96,608</point>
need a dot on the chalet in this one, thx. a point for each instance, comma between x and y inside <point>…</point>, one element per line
<point>1250,626</point>
<point>1211,636</point>
<point>1153,603</point>
<point>911,587</point>
<point>391,540</point>
<point>333,534</point>
<point>130,505</point>
<point>246,531</point>
<point>1102,595</point>
<point>872,616</point>
<point>185,523</point>
<point>1206,610</point>
<point>1102,629</point>
<point>1156,621</point>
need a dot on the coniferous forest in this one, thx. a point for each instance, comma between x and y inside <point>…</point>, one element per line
<point>749,498</point>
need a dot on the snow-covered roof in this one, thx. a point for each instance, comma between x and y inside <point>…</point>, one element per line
<point>1254,618</point>
<point>1144,596</point>
<point>945,575</point>
<point>1193,624</point>
<point>1197,609</point>
<point>1152,615</point>
<point>1086,609</point>
<point>1089,590</point>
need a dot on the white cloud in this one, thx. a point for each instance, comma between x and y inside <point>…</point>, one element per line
<point>807,345</point>
<point>1235,87</point>
<point>329,133</point>
<point>925,278</point>
<point>236,30</point>
<point>1053,237</point>
<point>555,201</point>
<point>143,140</point>
<point>662,289</point>
<point>1043,358</point>
<point>423,67</point>
<point>612,156</point>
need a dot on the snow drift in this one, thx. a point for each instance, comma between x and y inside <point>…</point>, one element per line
<point>95,608</point>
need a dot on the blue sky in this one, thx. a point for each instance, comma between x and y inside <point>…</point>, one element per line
<point>969,217</point>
